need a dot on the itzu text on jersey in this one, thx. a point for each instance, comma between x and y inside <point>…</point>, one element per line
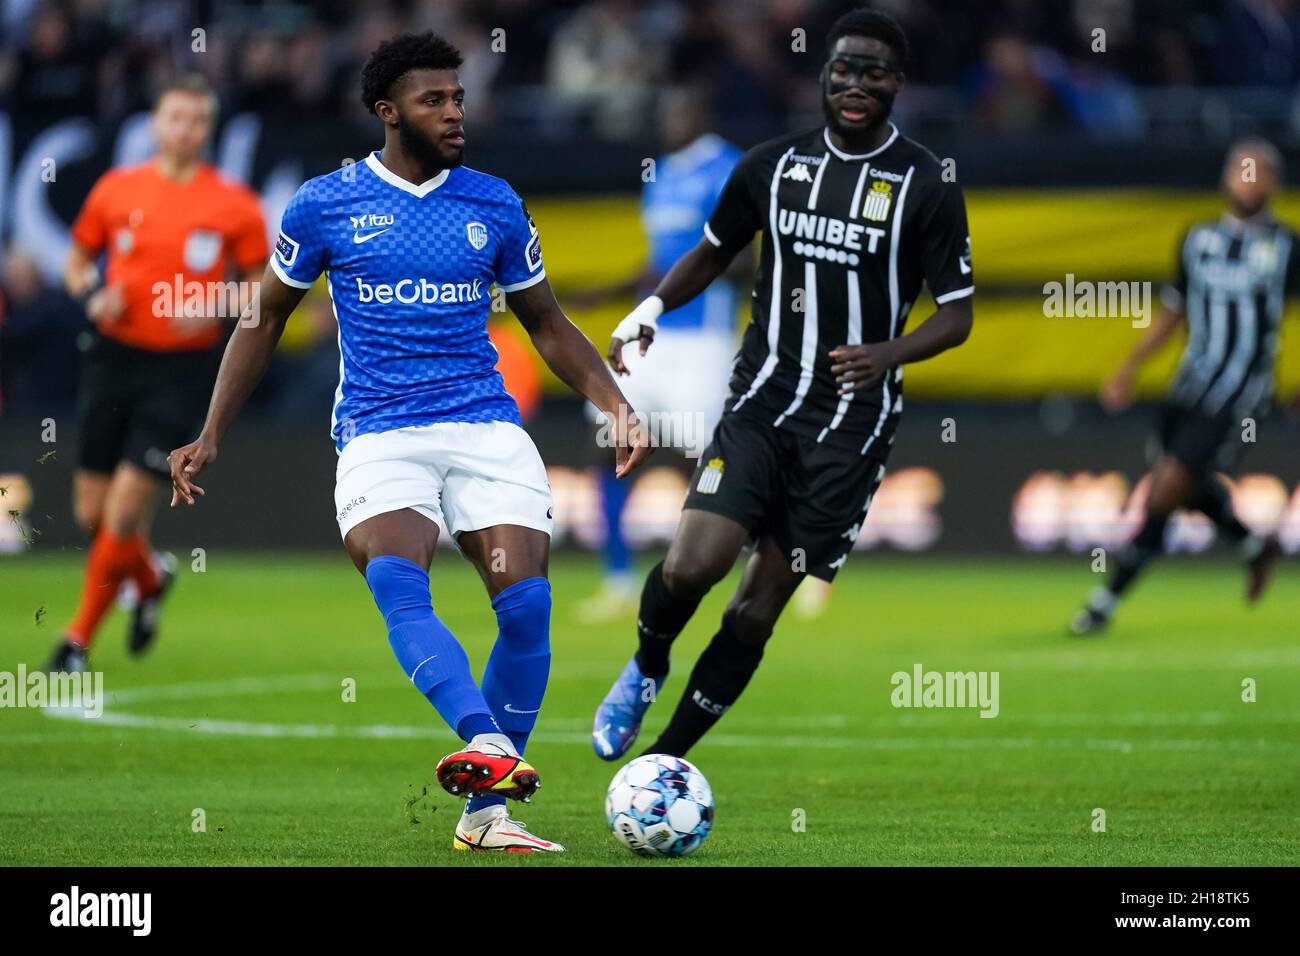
<point>410,269</point>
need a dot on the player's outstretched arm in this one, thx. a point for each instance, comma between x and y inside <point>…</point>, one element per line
<point>689,276</point>
<point>857,367</point>
<point>242,367</point>
<point>1117,392</point>
<point>570,355</point>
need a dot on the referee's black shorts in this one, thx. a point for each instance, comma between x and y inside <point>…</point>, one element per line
<point>136,405</point>
<point>810,498</point>
<point>1201,442</point>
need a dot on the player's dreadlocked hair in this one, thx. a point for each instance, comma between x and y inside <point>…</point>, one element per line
<point>394,58</point>
<point>870,23</point>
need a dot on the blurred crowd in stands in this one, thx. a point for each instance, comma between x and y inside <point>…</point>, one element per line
<point>1017,63</point>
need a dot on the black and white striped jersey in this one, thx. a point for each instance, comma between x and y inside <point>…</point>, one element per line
<point>847,242</point>
<point>1233,280</point>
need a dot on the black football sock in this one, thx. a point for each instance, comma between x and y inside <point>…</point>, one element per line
<point>1212,500</point>
<point>719,676</point>
<point>660,620</point>
<point>1146,544</point>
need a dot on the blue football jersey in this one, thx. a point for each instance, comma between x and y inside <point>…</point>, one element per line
<point>409,269</point>
<point>674,208</point>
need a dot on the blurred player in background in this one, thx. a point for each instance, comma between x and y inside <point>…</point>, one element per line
<point>683,379</point>
<point>411,241</point>
<point>854,217</point>
<point>162,225</point>
<point>1234,277</point>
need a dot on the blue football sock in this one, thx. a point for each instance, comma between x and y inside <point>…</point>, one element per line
<point>613,501</point>
<point>514,681</point>
<point>472,725</point>
<point>429,654</point>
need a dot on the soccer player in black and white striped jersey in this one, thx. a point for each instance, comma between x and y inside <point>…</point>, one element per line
<point>1233,279</point>
<point>855,218</point>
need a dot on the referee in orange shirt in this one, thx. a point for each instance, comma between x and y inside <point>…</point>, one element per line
<point>173,232</point>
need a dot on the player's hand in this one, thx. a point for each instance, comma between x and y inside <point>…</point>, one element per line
<point>615,354</point>
<point>631,444</point>
<point>106,305</point>
<point>856,367</point>
<point>79,282</point>
<point>639,326</point>
<point>186,462</point>
<point>1117,392</point>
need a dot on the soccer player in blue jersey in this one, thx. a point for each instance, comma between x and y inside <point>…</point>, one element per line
<point>410,241</point>
<point>682,381</point>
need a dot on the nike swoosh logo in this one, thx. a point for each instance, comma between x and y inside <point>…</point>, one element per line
<point>358,238</point>
<point>511,710</point>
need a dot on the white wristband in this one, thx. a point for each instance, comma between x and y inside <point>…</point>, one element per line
<point>647,314</point>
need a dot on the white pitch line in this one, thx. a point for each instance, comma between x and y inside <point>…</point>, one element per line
<point>243,728</point>
<point>246,686</point>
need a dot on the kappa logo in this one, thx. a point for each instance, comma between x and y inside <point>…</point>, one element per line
<point>711,477</point>
<point>963,261</point>
<point>371,222</point>
<point>477,234</point>
<point>798,173</point>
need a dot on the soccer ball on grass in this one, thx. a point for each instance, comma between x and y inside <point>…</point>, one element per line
<point>659,805</point>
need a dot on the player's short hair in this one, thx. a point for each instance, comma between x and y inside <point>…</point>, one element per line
<point>870,23</point>
<point>191,83</point>
<point>394,58</point>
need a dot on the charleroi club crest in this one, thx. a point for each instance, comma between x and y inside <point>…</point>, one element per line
<point>876,206</point>
<point>710,478</point>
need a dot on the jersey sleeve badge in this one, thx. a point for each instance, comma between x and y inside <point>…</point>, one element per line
<point>286,250</point>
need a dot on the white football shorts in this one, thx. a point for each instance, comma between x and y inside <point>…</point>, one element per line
<point>469,475</point>
<point>679,387</point>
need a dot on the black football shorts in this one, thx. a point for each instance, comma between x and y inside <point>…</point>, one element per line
<point>136,405</point>
<point>810,498</point>
<point>1201,442</point>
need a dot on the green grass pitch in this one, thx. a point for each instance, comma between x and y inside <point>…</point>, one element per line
<point>239,712</point>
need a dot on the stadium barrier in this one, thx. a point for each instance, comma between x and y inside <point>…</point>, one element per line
<point>1056,476</point>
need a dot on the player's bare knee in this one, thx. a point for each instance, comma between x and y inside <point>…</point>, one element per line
<point>88,516</point>
<point>124,519</point>
<point>689,576</point>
